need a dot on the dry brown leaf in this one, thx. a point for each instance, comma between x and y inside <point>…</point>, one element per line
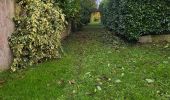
<point>71,82</point>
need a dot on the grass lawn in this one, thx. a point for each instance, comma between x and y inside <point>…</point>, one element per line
<point>96,66</point>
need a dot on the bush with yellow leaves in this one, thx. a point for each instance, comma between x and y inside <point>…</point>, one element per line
<point>38,26</point>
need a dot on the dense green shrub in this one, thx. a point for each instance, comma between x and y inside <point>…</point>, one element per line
<point>71,8</point>
<point>132,18</point>
<point>37,36</point>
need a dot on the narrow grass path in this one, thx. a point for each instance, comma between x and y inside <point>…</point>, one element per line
<point>96,66</point>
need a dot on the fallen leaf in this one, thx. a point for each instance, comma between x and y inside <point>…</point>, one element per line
<point>74,91</point>
<point>123,74</point>
<point>71,82</point>
<point>95,90</point>
<point>118,81</point>
<point>99,88</point>
<point>108,65</point>
<point>166,46</point>
<point>150,80</point>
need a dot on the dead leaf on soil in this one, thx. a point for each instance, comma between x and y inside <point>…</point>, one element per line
<point>150,80</point>
<point>71,82</point>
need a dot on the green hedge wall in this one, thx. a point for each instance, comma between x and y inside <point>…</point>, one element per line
<point>38,26</point>
<point>134,18</point>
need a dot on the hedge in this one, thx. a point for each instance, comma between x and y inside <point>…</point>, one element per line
<point>134,18</point>
<point>38,26</point>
